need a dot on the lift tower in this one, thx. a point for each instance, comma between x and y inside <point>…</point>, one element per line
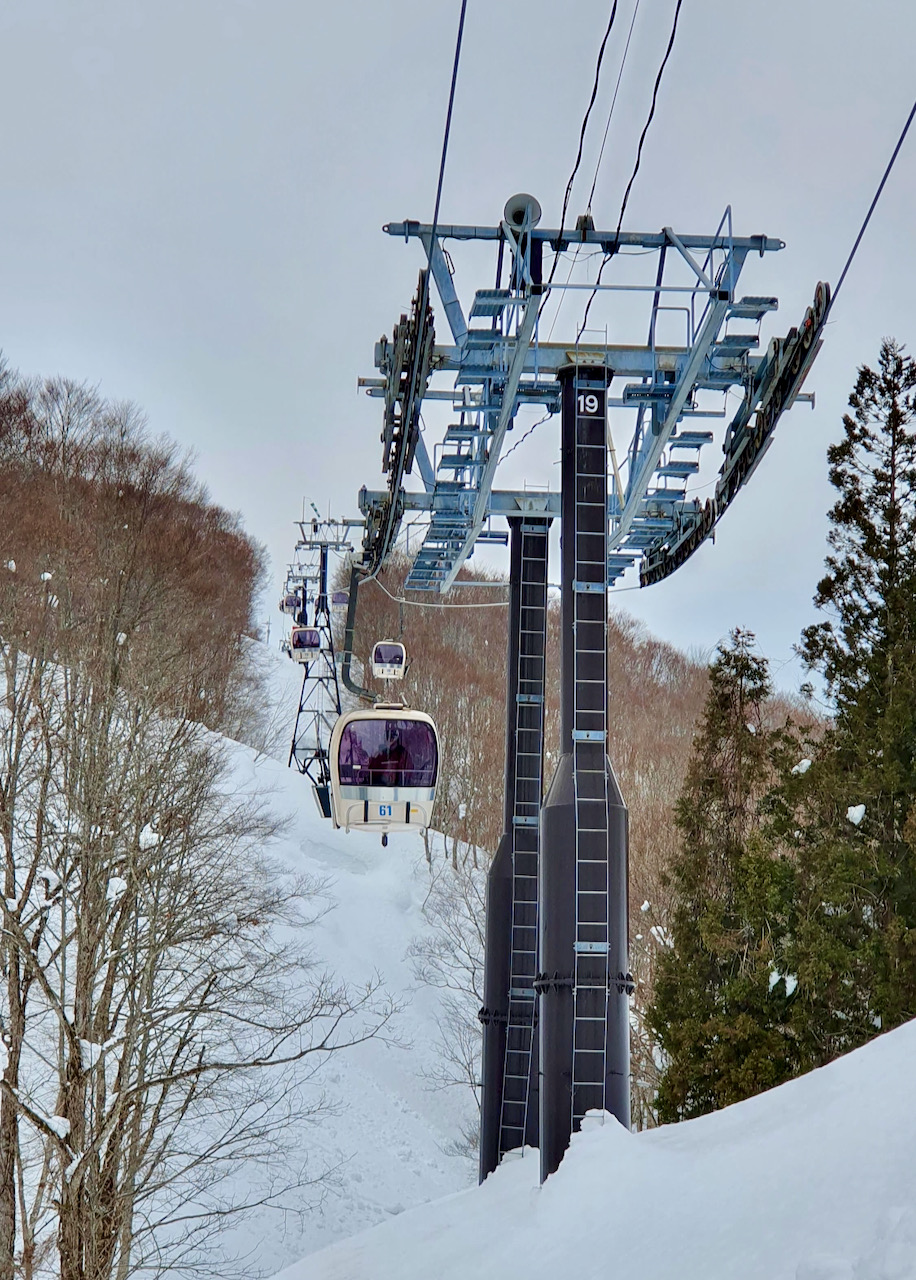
<point>319,697</point>
<point>583,982</point>
<point>496,364</point>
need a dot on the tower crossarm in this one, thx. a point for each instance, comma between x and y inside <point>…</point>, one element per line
<point>569,238</point>
<point>497,363</point>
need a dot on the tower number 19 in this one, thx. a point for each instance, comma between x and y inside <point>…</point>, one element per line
<point>589,404</point>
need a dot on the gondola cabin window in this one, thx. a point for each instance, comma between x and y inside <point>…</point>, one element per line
<point>388,753</point>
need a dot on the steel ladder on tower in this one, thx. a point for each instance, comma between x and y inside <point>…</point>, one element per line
<point>590,968</point>
<point>515,1110</point>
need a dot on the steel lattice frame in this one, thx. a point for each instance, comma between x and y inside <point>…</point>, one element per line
<point>496,366</point>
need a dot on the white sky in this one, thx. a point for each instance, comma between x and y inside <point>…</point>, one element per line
<point>192,194</point>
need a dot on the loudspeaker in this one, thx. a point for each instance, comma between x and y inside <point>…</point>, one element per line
<point>519,207</point>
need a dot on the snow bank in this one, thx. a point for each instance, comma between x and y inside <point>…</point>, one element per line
<point>812,1181</point>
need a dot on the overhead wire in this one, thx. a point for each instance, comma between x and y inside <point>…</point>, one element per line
<point>591,194</point>
<point>607,126</point>
<point>423,604</point>
<point>651,116</point>
<point>357,574</point>
<point>585,119</point>
<point>523,438</point>
<point>577,257</point>
<point>423,300</point>
<point>578,161</point>
<point>642,138</point>
<point>872,206</point>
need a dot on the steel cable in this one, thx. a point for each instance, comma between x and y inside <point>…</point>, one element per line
<point>642,139</point>
<point>871,207</point>
<point>585,119</point>
<point>623,63</point>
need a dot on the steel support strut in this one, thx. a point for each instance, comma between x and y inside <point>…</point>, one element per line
<point>509,1074</point>
<point>583,981</point>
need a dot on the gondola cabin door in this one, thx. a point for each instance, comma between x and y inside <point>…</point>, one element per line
<point>384,767</point>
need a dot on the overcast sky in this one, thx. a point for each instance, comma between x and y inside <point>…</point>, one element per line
<point>192,194</point>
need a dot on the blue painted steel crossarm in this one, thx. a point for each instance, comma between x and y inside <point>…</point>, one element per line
<point>571,238</point>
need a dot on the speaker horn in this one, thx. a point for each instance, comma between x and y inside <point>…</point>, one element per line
<point>521,207</point>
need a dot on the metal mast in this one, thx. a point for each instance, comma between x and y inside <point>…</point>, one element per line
<point>583,983</point>
<point>509,1072</point>
<point>319,697</point>
<point>496,363</point>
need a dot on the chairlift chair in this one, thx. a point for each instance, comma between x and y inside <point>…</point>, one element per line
<point>389,660</point>
<point>384,765</point>
<point>305,643</point>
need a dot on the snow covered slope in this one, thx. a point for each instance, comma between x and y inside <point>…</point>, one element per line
<point>390,1134</point>
<point>815,1180</point>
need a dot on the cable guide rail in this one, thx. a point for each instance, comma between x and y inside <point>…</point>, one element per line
<point>497,363</point>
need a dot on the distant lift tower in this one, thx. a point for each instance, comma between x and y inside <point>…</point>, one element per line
<point>319,698</point>
<point>556,981</point>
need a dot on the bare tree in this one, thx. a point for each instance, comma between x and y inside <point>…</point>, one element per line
<point>450,958</point>
<point>161,1009</point>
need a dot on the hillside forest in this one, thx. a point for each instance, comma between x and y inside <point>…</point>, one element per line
<point>151,1005</point>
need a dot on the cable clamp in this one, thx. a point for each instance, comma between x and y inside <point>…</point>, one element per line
<point>545,982</point>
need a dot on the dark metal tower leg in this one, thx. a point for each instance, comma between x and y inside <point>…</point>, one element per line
<point>509,1075</point>
<point>583,981</point>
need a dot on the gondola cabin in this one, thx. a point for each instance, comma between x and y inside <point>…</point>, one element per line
<point>340,600</point>
<point>388,660</point>
<point>290,604</point>
<point>384,766</point>
<point>305,644</point>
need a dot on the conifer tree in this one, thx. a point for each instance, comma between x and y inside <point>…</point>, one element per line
<point>719,1013</point>
<point>855,948</point>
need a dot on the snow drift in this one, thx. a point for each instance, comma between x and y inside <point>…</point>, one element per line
<point>812,1181</point>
